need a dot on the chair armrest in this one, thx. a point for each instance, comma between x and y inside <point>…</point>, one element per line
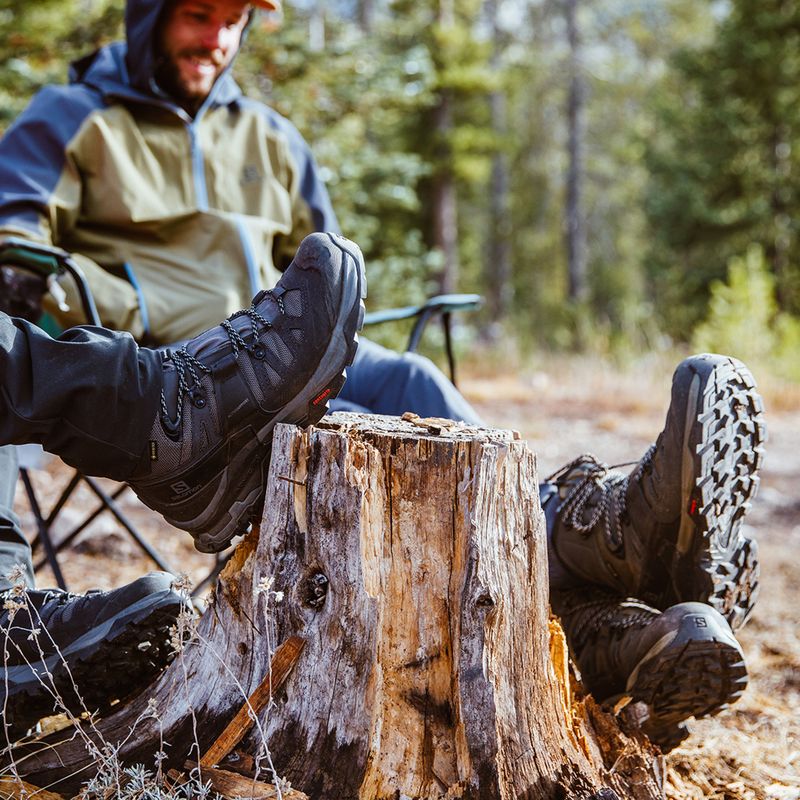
<point>46,260</point>
<point>441,303</point>
<point>32,256</point>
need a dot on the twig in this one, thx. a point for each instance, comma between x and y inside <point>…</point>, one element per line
<point>280,667</point>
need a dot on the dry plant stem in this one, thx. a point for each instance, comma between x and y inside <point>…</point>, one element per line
<point>216,673</point>
<point>280,667</point>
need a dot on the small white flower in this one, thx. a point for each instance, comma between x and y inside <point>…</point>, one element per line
<point>16,575</point>
<point>182,584</point>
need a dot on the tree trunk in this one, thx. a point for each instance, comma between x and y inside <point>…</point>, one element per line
<point>410,559</point>
<point>445,199</point>
<point>499,285</point>
<point>444,194</point>
<point>575,222</point>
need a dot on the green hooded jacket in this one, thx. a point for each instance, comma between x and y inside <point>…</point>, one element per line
<point>176,222</point>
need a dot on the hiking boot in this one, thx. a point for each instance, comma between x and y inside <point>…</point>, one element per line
<point>68,652</point>
<point>681,663</point>
<point>671,531</point>
<point>281,360</point>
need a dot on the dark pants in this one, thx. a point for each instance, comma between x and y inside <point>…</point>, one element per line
<point>382,381</point>
<point>14,550</point>
<point>89,396</point>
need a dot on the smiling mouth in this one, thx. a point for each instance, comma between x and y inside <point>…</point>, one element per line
<point>203,64</point>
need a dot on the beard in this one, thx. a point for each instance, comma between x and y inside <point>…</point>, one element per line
<point>169,79</point>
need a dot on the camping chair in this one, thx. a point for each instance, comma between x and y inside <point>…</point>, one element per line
<point>442,305</point>
<point>50,262</point>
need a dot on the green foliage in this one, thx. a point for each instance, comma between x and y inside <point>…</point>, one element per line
<point>744,320</point>
<point>724,160</point>
<point>38,40</point>
<point>365,104</point>
<point>686,161</point>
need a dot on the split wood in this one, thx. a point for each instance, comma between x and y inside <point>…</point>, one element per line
<point>280,667</point>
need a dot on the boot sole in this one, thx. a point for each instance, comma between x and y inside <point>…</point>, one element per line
<point>246,483</point>
<point>112,661</point>
<point>724,433</point>
<point>697,671</point>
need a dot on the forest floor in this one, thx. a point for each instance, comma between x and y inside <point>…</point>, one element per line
<point>563,408</point>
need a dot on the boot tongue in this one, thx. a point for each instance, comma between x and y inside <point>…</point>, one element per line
<point>240,329</point>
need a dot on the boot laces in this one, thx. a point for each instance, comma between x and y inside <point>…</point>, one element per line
<point>185,363</point>
<point>608,490</point>
<point>603,614</point>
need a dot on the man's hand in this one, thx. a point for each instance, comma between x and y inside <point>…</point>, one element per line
<point>21,293</point>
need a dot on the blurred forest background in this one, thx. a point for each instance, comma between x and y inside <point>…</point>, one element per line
<point>614,176</point>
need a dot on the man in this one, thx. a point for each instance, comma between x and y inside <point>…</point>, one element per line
<point>180,197</point>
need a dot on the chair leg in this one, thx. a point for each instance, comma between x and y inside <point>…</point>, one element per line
<point>76,531</point>
<point>448,343</point>
<point>43,527</point>
<point>113,508</point>
<point>221,561</point>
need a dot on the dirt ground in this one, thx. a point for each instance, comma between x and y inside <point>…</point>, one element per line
<point>748,752</point>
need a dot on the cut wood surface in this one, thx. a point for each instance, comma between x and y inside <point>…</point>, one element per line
<point>412,561</point>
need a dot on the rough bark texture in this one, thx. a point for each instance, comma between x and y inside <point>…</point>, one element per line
<point>414,567</point>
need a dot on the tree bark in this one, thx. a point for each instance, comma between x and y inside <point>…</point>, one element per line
<point>410,558</point>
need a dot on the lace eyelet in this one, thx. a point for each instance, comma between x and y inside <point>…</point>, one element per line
<point>258,352</point>
<point>196,398</point>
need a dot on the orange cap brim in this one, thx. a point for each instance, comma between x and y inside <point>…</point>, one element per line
<point>267,5</point>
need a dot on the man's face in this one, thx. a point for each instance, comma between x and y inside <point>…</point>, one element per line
<point>197,40</point>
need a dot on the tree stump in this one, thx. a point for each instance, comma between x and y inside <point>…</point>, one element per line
<point>410,559</point>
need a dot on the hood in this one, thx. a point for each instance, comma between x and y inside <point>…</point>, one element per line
<point>127,69</point>
<point>141,17</point>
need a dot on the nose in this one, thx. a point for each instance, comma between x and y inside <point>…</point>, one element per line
<point>213,37</point>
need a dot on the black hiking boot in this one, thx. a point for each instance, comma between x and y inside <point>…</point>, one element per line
<point>671,531</point>
<point>281,360</point>
<point>681,663</point>
<point>67,652</point>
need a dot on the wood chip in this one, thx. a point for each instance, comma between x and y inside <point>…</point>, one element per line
<point>281,665</point>
<point>12,788</point>
<point>230,785</point>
